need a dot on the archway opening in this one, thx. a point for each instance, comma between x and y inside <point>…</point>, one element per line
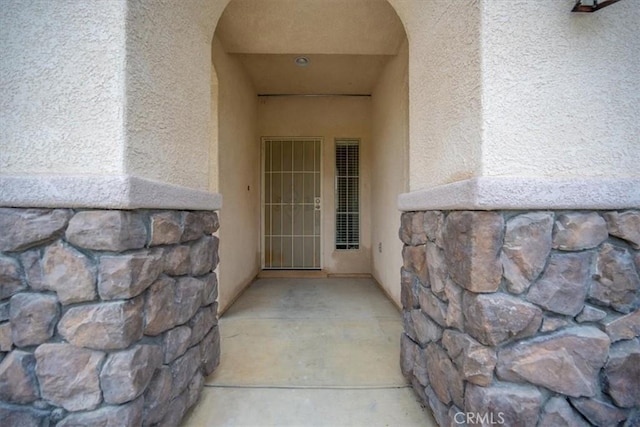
<point>353,89</point>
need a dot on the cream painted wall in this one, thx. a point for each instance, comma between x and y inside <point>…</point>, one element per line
<point>239,184</point>
<point>214,170</point>
<point>521,89</point>
<point>62,80</point>
<point>329,118</point>
<point>83,93</point>
<point>445,118</point>
<point>168,94</point>
<point>560,90</point>
<point>389,163</point>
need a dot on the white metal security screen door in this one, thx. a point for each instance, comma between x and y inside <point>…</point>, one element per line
<point>291,208</point>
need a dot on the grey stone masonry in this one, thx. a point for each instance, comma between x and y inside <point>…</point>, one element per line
<point>523,318</point>
<point>109,317</point>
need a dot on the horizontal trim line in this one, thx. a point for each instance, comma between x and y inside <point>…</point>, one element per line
<point>314,94</point>
<point>520,193</point>
<point>101,192</point>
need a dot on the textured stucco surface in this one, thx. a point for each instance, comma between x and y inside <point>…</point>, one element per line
<point>390,175</point>
<point>329,118</point>
<point>62,81</point>
<point>168,91</point>
<point>444,89</point>
<point>560,90</point>
<point>495,89</point>
<point>238,145</point>
<point>214,161</point>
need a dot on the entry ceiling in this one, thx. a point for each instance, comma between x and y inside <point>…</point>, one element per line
<point>347,41</point>
<point>361,27</point>
<point>325,74</point>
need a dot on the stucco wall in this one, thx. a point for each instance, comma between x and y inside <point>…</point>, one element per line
<point>389,163</point>
<point>168,94</point>
<point>496,89</point>
<point>329,118</point>
<point>62,79</point>
<point>560,90</point>
<point>214,171</point>
<point>445,89</point>
<point>239,169</point>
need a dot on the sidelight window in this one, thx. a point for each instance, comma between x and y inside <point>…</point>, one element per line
<point>347,194</point>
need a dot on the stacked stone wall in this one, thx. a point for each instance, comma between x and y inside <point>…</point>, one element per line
<point>523,318</point>
<point>107,317</point>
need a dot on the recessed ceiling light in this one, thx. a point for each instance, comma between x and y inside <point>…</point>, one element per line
<point>302,61</point>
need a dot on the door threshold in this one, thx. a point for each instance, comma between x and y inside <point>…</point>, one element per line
<point>279,274</point>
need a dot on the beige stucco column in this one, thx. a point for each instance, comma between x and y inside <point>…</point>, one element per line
<point>107,105</point>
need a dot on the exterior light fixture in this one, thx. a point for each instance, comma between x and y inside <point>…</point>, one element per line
<point>592,5</point>
<point>302,61</point>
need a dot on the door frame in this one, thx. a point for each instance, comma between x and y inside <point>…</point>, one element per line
<point>263,191</point>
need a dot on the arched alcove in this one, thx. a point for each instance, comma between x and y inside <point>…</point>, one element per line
<point>355,87</point>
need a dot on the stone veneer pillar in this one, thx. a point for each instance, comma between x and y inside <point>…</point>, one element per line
<point>107,317</point>
<point>521,300</point>
<point>523,317</point>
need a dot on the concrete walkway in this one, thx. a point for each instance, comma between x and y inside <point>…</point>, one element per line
<point>310,352</point>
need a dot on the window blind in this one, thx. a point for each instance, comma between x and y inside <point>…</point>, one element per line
<point>347,194</point>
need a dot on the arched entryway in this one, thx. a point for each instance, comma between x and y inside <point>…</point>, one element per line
<point>349,97</point>
<point>353,90</point>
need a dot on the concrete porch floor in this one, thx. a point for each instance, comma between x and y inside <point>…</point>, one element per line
<point>310,352</point>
